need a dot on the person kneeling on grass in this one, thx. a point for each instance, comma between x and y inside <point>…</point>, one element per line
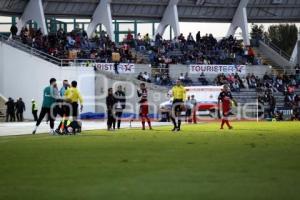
<point>68,127</point>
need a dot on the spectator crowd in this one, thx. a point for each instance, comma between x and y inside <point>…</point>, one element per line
<point>184,50</point>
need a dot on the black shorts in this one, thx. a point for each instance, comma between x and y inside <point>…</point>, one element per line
<point>66,109</point>
<point>188,112</point>
<point>75,109</point>
<point>177,105</point>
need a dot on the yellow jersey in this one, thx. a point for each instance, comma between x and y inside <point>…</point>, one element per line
<point>72,94</point>
<point>179,92</point>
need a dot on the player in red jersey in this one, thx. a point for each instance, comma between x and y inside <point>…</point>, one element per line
<point>224,101</point>
<point>144,107</point>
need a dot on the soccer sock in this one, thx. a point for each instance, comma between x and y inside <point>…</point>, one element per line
<point>149,123</point>
<point>227,123</point>
<point>179,124</point>
<point>223,122</point>
<point>143,124</point>
<point>35,128</point>
<point>174,122</point>
<point>119,124</point>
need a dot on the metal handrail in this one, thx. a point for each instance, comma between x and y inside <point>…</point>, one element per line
<point>33,51</point>
<point>19,45</point>
<point>276,48</point>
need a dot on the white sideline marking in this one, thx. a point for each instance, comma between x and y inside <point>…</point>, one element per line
<point>26,128</point>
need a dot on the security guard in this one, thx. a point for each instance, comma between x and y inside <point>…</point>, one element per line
<point>179,96</point>
<point>34,109</point>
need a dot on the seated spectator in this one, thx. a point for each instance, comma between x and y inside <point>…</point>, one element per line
<point>252,81</point>
<point>245,83</point>
<point>157,79</point>
<point>181,77</point>
<point>166,80</point>
<point>140,77</point>
<point>146,77</point>
<point>290,100</point>
<point>129,36</point>
<point>297,69</point>
<point>187,79</point>
<point>236,86</point>
<point>202,79</point>
<point>71,41</point>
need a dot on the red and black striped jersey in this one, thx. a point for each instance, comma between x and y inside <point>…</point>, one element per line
<point>143,94</point>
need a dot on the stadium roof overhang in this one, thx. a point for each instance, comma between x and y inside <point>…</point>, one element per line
<point>188,10</point>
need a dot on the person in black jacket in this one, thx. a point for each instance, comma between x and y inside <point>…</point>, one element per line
<point>13,31</point>
<point>10,110</point>
<point>110,104</point>
<point>20,107</point>
<point>120,104</point>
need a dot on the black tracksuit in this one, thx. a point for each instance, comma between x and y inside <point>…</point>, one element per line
<point>110,104</point>
<point>120,99</point>
<point>20,107</point>
<point>10,110</point>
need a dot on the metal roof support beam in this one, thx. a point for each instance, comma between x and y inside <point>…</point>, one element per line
<point>102,15</point>
<point>33,11</point>
<point>295,58</point>
<point>240,20</point>
<point>170,18</point>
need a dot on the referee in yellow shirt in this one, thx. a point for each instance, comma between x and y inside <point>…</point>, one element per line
<point>73,96</point>
<point>179,96</point>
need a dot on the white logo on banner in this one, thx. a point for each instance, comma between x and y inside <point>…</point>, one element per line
<point>123,68</point>
<point>217,69</point>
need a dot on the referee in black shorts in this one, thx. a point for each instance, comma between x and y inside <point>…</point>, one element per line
<point>179,96</point>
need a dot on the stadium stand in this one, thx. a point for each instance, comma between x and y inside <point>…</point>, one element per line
<point>77,45</point>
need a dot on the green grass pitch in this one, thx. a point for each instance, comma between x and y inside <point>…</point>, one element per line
<point>258,161</point>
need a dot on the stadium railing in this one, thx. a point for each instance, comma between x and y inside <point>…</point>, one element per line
<point>23,47</point>
<point>45,56</point>
<point>276,48</point>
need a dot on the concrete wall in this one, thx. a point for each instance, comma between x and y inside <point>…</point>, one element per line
<point>24,75</point>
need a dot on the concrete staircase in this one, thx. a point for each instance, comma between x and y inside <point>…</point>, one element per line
<point>2,108</point>
<point>249,96</point>
<point>270,54</point>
